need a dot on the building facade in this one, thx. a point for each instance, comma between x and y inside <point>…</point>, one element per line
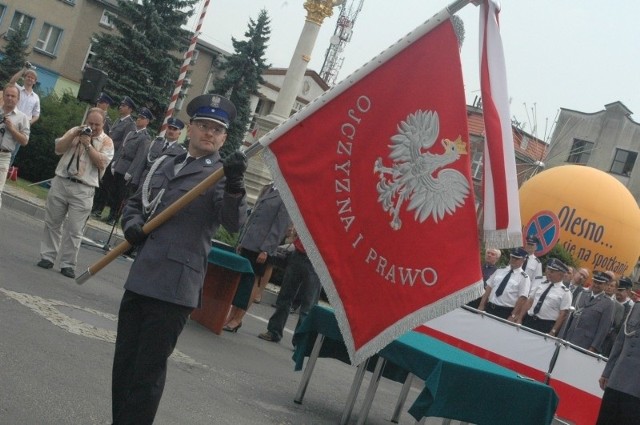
<point>608,140</point>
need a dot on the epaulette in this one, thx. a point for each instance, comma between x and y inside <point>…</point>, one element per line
<point>524,274</point>
<point>538,260</point>
<point>565,288</point>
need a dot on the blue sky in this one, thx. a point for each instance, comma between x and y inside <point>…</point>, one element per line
<point>575,54</point>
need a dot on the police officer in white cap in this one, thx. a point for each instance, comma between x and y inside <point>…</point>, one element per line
<point>165,281</point>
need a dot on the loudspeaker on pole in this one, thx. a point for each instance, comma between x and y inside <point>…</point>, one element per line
<point>92,84</point>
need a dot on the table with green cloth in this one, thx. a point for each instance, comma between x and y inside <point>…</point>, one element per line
<point>228,280</point>
<point>237,263</point>
<point>458,385</point>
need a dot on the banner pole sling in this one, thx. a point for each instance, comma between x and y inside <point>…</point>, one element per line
<point>162,217</point>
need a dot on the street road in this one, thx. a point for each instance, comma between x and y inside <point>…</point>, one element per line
<point>56,349</point>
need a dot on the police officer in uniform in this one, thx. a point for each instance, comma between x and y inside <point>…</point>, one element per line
<point>166,279</point>
<point>119,129</point>
<point>621,400</point>
<point>593,316</point>
<point>104,102</point>
<point>128,159</point>
<point>532,265</point>
<point>161,146</point>
<point>507,289</point>
<point>549,304</point>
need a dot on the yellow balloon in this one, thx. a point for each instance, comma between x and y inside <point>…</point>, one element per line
<point>599,220</point>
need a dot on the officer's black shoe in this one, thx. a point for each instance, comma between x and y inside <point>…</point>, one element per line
<point>45,264</point>
<point>68,272</point>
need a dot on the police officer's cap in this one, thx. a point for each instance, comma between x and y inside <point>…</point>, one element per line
<point>518,252</point>
<point>127,101</point>
<point>625,283</point>
<point>175,122</point>
<point>212,107</point>
<point>601,277</point>
<point>532,239</point>
<point>146,113</point>
<point>105,98</point>
<point>555,264</point>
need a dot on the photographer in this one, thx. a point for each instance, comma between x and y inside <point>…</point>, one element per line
<point>86,151</point>
<point>14,131</point>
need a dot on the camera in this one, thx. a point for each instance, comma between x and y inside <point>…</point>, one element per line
<point>28,65</point>
<point>86,131</point>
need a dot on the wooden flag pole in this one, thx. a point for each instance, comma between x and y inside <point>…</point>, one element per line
<point>162,217</point>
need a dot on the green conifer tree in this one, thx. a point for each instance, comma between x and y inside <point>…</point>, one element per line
<point>141,59</point>
<point>242,74</point>
<point>15,53</point>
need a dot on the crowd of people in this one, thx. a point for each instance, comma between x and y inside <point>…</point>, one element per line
<point>601,318</point>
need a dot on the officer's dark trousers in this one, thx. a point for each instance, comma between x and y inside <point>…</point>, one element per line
<point>299,279</point>
<point>148,331</point>
<point>619,408</point>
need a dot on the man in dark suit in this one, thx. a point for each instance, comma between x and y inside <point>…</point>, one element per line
<point>166,279</point>
<point>127,159</point>
<point>119,129</point>
<point>166,145</point>
<point>593,316</point>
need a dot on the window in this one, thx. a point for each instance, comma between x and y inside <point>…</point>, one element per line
<point>107,18</point>
<point>21,19</point>
<point>623,162</point>
<point>49,38</point>
<point>90,55</point>
<point>580,151</point>
<point>476,165</point>
<point>194,57</point>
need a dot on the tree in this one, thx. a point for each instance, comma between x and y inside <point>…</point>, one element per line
<point>140,60</point>
<point>15,53</point>
<point>242,74</point>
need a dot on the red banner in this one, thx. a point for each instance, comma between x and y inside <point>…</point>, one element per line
<point>376,177</point>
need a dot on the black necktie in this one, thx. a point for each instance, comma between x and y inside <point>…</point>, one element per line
<point>524,265</point>
<point>503,284</point>
<point>189,160</point>
<point>165,146</point>
<point>538,306</point>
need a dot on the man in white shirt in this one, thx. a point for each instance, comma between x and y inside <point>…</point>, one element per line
<point>14,131</point>
<point>29,103</point>
<point>507,289</point>
<point>549,304</point>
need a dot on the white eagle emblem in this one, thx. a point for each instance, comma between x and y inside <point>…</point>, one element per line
<point>420,175</point>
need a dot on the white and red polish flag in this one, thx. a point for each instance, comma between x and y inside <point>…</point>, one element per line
<point>502,227</point>
<point>376,177</point>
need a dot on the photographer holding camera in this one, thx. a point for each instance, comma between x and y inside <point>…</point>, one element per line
<point>14,130</point>
<point>86,151</point>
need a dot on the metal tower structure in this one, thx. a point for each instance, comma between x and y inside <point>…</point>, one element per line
<point>342,35</point>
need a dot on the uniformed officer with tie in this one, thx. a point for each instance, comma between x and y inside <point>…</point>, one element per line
<point>593,316</point>
<point>165,281</point>
<point>166,145</point>
<point>549,304</point>
<point>508,289</point>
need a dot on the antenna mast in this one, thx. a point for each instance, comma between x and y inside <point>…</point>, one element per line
<point>341,36</point>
